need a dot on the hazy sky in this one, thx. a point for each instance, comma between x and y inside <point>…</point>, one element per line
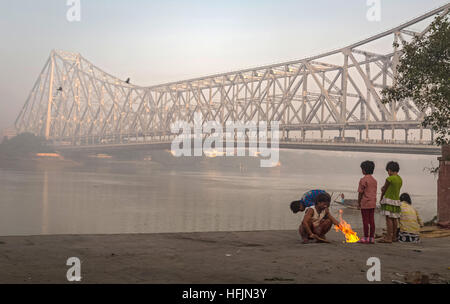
<point>157,41</point>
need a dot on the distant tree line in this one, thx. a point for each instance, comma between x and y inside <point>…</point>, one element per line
<point>24,145</point>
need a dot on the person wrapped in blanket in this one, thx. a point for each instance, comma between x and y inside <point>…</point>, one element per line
<point>410,221</point>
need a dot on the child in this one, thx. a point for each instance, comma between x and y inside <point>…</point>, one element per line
<point>308,199</point>
<point>390,201</point>
<point>367,201</point>
<point>410,221</point>
<point>317,220</point>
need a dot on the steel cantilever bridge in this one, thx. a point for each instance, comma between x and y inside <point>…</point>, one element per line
<point>76,104</point>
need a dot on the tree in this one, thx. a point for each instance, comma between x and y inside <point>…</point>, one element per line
<point>24,145</point>
<point>424,77</point>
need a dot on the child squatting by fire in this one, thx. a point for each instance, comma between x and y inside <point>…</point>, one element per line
<point>317,221</point>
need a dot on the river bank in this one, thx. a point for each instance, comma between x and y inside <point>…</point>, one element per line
<point>215,257</point>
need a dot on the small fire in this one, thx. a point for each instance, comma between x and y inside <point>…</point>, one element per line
<point>346,229</point>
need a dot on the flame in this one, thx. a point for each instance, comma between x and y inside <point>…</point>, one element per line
<point>346,229</point>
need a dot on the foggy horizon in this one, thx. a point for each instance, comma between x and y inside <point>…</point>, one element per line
<point>177,41</point>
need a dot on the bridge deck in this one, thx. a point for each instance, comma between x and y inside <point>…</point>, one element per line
<point>355,147</point>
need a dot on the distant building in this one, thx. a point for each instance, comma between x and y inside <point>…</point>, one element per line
<point>8,133</point>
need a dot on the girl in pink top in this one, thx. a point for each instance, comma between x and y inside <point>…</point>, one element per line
<point>367,201</point>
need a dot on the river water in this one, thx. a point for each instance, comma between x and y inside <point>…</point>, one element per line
<point>195,194</point>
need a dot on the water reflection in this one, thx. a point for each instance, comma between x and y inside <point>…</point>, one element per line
<point>209,196</point>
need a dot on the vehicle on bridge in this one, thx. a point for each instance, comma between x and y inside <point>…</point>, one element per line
<point>347,140</point>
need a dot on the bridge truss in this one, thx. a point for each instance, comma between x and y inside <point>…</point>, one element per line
<point>75,102</point>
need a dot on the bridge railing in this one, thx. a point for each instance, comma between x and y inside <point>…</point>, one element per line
<point>120,139</point>
<point>367,141</point>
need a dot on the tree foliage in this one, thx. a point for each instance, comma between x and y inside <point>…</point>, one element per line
<point>424,77</point>
<point>23,145</point>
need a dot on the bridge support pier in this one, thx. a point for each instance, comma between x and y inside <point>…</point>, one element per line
<point>406,135</point>
<point>382,135</point>
<point>303,134</point>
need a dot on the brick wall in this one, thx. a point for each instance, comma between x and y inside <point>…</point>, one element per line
<point>444,189</point>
